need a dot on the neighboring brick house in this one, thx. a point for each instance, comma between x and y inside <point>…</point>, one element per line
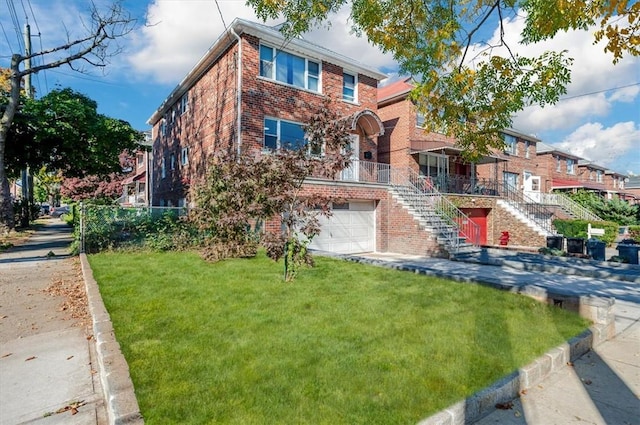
<point>568,173</point>
<point>135,188</point>
<point>632,188</point>
<point>406,143</point>
<point>253,91</point>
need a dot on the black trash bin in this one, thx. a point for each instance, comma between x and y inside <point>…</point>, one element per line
<point>555,242</point>
<point>575,245</point>
<point>596,249</point>
<point>629,252</point>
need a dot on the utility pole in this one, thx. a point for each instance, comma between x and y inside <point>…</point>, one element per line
<point>27,179</point>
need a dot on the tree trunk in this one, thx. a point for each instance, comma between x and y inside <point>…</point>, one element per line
<point>7,219</point>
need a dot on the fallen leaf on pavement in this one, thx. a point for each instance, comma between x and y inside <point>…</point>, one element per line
<point>504,406</point>
<point>30,358</point>
<point>6,355</point>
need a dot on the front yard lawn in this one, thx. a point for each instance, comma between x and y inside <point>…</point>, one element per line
<point>345,343</point>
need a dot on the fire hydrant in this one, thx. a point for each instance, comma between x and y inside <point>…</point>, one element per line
<point>504,238</point>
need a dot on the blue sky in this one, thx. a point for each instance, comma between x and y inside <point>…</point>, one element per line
<point>598,119</point>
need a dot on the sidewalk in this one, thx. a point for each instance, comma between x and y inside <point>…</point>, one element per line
<point>603,386</point>
<point>47,358</point>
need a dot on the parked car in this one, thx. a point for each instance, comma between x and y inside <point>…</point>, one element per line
<point>56,212</point>
<point>44,209</point>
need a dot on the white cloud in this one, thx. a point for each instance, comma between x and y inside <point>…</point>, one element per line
<point>615,146</point>
<point>593,76</point>
<point>179,33</point>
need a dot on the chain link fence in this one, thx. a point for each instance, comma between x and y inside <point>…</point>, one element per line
<point>115,227</point>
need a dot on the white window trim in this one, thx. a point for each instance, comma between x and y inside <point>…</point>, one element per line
<point>184,103</point>
<point>172,162</point>
<point>278,143</point>
<point>274,72</point>
<point>163,168</point>
<point>510,148</point>
<point>355,86</point>
<point>571,166</point>
<point>184,156</point>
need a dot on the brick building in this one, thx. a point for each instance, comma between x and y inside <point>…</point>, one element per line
<point>254,91</point>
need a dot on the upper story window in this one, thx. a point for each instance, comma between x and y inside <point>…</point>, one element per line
<point>163,168</point>
<point>510,144</point>
<point>570,166</point>
<point>184,103</point>
<point>279,134</point>
<point>184,156</point>
<point>288,68</point>
<point>349,85</point>
<point>558,162</point>
<point>621,183</point>
<point>140,160</point>
<point>173,161</point>
<point>420,119</point>
<point>163,127</point>
<point>599,176</point>
<point>527,144</point>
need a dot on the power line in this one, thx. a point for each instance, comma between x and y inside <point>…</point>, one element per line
<point>599,91</point>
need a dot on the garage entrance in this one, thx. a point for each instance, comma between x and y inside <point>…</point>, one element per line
<point>350,230</point>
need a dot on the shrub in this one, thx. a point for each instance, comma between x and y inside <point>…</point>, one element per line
<point>578,229</point>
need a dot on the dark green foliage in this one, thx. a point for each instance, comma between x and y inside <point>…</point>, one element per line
<point>616,210</point>
<point>578,229</point>
<point>634,232</point>
<point>156,229</point>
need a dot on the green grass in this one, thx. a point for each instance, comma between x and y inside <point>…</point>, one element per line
<point>231,343</point>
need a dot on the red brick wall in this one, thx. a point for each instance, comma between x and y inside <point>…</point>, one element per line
<point>210,123</point>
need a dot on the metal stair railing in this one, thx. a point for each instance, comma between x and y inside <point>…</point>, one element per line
<point>425,198</point>
<point>531,209</point>
<point>569,205</point>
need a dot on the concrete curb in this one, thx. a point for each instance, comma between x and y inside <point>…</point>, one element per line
<point>509,388</point>
<point>120,399</point>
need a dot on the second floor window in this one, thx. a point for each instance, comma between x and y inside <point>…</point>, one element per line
<point>173,161</point>
<point>289,69</point>
<point>184,103</point>
<point>163,168</point>
<point>599,176</point>
<point>184,156</point>
<point>420,119</point>
<point>279,134</point>
<point>570,164</point>
<point>349,87</point>
<point>510,144</point>
<point>527,144</point>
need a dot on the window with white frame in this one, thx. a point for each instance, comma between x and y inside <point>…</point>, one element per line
<point>420,119</point>
<point>163,168</point>
<point>163,127</point>
<point>527,144</point>
<point>172,161</point>
<point>184,156</point>
<point>599,176</point>
<point>615,182</point>
<point>510,143</point>
<point>289,69</point>
<point>280,134</point>
<point>349,85</point>
<point>558,162</point>
<point>570,166</point>
<point>184,103</point>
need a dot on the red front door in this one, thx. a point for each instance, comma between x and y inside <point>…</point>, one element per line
<point>479,217</point>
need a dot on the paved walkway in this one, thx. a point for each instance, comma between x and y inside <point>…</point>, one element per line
<point>47,362</point>
<point>603,386</point>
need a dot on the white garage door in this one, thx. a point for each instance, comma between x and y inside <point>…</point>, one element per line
<point>351,229</point>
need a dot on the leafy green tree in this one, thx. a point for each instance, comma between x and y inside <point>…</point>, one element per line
<point>94,49</point>
<point>65,132</point>
<point>473,95</point>
<point>615,210</point>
